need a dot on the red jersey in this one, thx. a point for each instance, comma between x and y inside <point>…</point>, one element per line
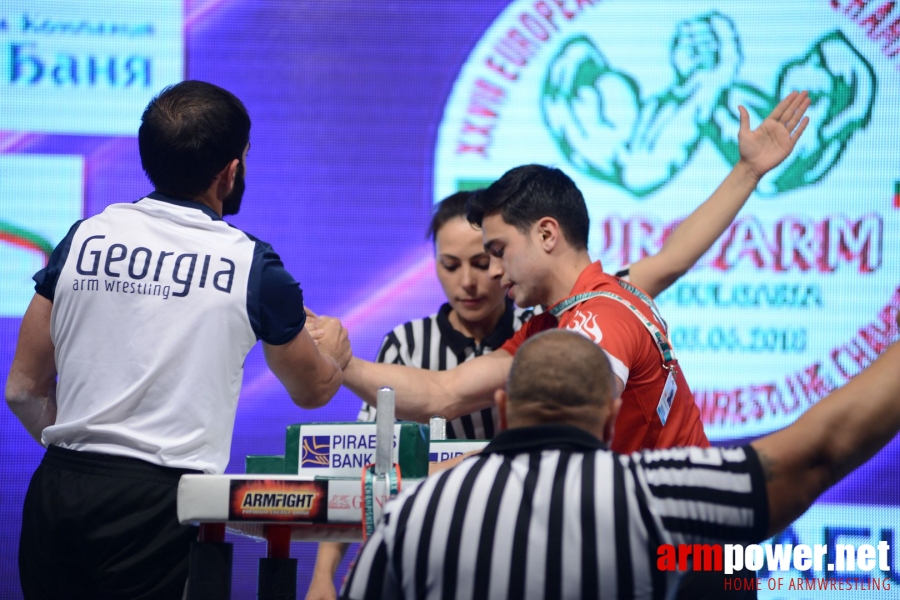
<point>635,359</point>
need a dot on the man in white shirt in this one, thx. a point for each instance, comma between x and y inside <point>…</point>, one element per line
<point>146,313</point>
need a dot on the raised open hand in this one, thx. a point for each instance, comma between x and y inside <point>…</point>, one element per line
<point>765,147</point>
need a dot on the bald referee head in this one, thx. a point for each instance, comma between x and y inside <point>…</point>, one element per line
<point>560,377</point>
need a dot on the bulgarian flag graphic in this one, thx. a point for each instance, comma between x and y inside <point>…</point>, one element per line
<point>22,238</point>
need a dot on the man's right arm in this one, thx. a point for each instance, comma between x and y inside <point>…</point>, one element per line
<point>422,394</point>
<point>831,439</point>
<point>309,370</point>
<point>310,377</point>
<point>330,554</point>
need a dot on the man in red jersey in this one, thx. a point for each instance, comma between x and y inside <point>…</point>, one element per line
<point>658,409</point>
<point>535,226</point>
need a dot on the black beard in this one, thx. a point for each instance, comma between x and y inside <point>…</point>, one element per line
<point>231,205</point>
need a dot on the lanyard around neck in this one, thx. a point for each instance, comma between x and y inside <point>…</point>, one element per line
<point>659,338</point>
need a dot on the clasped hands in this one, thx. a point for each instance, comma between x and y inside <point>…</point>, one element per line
<point>330,336</point>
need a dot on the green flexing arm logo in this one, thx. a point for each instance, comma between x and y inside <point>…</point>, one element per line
<point>607,130</point>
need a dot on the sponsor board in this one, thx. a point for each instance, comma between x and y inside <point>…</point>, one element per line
<point>86,67</point>
<point>800,293</point>
<point>335,449</point>
<point>41,197</point>
<point>278,500</point>
<point>343,449</point>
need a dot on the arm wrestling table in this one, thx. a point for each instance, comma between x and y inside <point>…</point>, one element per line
<point>330,485</point>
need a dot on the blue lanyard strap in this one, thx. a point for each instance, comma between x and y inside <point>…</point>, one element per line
<point>659,338</point>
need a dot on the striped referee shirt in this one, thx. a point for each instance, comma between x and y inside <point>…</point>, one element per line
<point>432,343</point>
<point>549,512</point>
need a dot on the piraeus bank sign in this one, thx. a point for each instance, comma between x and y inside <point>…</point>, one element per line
<point>86,67</point>
<point>637,102</point>
<point>343,449</point>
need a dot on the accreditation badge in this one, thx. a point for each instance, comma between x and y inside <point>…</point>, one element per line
<point>667,397</point>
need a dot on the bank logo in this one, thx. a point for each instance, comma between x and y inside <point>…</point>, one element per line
<point>315,452</point>
<point>638,103</point>
<point>607,129</point>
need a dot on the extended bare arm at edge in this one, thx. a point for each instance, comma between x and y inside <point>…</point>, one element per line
<point>831,439</point>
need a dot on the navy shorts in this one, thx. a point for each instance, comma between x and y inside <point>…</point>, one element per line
<point>104,527</point>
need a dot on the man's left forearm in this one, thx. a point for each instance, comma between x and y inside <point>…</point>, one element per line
<point>36,413</point>
<point>31,383</point>
<point>696,234</point>
<point>699,231</point>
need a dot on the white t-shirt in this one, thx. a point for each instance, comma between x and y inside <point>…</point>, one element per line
<point>155,306</point>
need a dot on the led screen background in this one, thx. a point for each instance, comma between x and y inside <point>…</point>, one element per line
<point>359,121</point>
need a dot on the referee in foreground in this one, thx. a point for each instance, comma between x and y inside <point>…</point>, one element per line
<point>547,511</point>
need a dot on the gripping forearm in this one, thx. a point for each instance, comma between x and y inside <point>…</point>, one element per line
<point>326,385</point>
<point>420,394</point>
<point>313,387</point>
<point>310,377</point>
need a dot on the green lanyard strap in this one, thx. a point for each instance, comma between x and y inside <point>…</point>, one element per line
<point>659,338</point>
<point>646,300</point>
<point>368,489</point>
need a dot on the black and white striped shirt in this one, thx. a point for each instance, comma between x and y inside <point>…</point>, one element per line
<point>432,343</point>
<point>549,512</point>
